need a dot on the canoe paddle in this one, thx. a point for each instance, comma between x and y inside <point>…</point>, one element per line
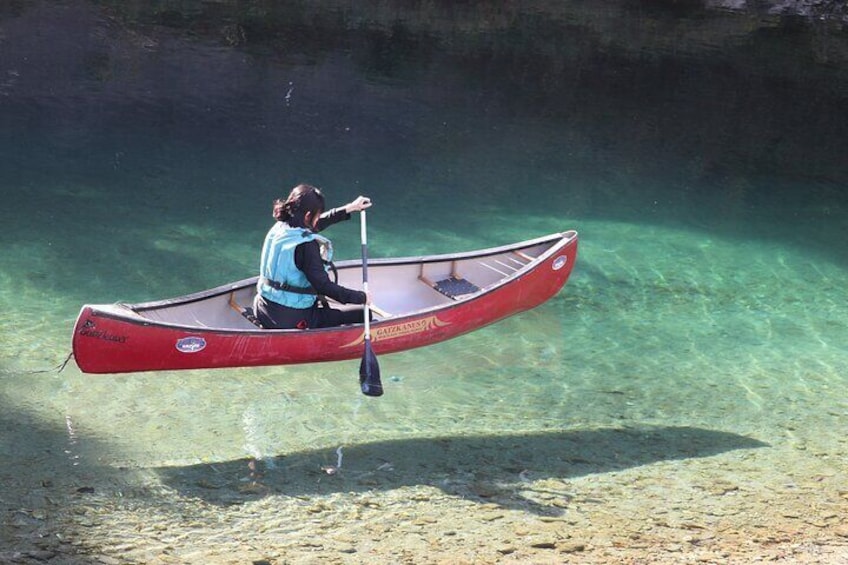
<point>369,369</point>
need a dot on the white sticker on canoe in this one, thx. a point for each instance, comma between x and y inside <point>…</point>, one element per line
<point>560,262</point>
<point>191,344</point>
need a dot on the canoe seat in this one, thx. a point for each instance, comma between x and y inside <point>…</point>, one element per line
<point>251,317</point>
<point>246,312</point>
<point>454,287</point>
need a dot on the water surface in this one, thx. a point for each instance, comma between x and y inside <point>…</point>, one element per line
<point>701,334</point>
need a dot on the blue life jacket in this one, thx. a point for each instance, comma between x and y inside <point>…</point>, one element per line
<point>278,272</point>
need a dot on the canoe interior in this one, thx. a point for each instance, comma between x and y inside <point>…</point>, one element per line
<point>399,287</point>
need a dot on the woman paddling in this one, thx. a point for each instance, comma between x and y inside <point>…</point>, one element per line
<point>292,272</point>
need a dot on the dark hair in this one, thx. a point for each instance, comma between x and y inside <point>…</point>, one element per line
<point>303,198</point>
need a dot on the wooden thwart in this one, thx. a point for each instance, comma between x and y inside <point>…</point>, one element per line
<point>379,311</point>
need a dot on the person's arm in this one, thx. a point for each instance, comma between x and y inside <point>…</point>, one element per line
<point>331,217</point>
<point>342,213</point>
<point>307,258</point>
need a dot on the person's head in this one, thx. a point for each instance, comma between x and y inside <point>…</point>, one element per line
<point>302,208</point>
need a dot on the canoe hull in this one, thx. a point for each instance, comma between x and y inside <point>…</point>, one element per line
<point>118,338</point>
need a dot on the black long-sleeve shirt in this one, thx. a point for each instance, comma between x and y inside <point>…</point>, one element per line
<point>307,258</point>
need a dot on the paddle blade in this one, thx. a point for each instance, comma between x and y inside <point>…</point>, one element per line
<point>369,373</point>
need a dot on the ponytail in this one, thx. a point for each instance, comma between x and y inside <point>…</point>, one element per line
<point>303,199</point>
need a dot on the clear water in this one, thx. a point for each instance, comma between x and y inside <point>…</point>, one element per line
<point>705,176</point>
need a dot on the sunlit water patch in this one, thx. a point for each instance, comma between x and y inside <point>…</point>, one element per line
<point>656,326</point>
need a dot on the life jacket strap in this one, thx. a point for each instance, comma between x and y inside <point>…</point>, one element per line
<point>285,287</point>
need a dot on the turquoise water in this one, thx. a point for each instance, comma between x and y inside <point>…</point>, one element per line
<point>706,316</point>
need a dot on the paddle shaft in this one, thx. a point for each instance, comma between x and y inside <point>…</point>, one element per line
<point>369,369</point>
<point>364,237</point>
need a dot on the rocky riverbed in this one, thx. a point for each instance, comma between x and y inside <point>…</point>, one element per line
<point>446,503</point>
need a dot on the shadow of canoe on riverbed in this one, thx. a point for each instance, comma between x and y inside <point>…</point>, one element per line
<point>491,469</point>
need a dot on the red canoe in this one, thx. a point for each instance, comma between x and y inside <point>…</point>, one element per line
<point>418,301</point>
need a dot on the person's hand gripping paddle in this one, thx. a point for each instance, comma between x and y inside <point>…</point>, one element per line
<point>369,369</point>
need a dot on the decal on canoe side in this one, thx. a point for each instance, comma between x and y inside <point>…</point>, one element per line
<point>89,329</point>
<point>399,330</point>
<point>191,344</point>
<point>559,262</point>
